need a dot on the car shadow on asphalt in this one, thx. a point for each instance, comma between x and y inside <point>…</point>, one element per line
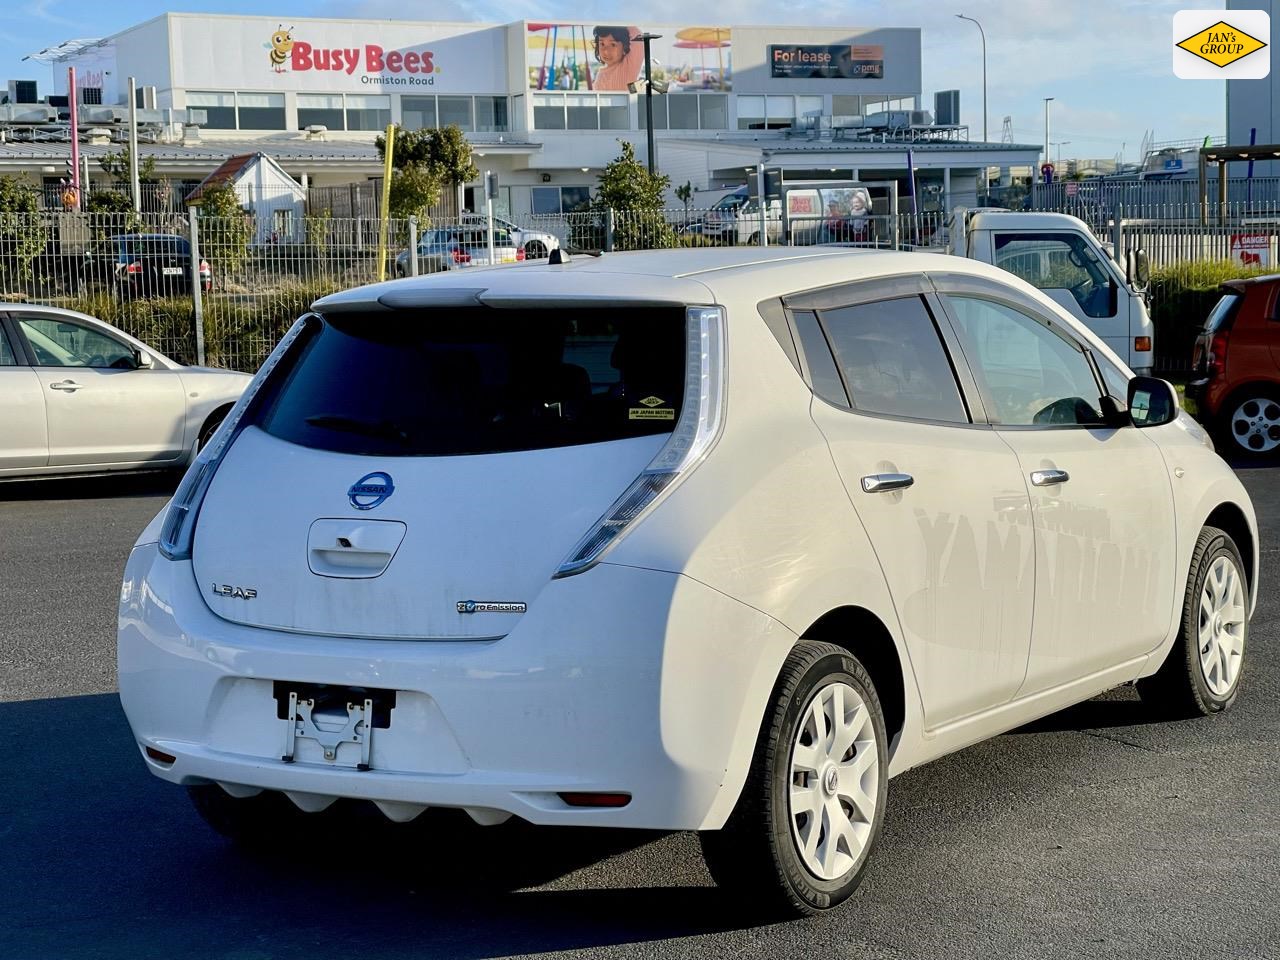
<point>151,484</point>
<point>117,864</point>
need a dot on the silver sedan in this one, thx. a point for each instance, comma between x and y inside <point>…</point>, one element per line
<point>79,396</point>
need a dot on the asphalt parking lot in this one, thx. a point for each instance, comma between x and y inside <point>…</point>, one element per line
<point>1093,832</point>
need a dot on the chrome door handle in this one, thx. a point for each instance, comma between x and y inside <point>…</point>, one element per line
<point>884,482</point>
<point>69,385</point>
<point>1047,478</point>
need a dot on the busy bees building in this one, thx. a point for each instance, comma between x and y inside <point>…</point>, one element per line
<point>543,104</point>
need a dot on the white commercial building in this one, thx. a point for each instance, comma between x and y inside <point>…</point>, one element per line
<point>543,104</point>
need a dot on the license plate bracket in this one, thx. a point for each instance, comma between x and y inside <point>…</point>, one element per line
<point>301,725</point>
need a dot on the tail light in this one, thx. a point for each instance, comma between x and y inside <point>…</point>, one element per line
<point>1216,361</point>
<point>178,530</point>
<point>135,267</point>
<point>519,254</point>
<point>204,268</point>
<point>696,430</point>
<point>461,256</point>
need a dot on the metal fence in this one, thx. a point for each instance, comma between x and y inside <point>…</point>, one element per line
<point>229,304</point>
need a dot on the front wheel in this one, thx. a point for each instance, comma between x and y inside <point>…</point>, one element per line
<point>1201,675</point>
<point>798,841</point>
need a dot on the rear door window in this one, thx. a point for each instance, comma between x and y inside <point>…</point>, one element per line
<point>892,360</point>
<point>474,380</point>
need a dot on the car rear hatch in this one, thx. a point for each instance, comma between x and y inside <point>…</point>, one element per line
<point>423,472</point>
<point>1208,357</point>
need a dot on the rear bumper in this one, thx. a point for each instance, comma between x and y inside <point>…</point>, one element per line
<point>616,680</point>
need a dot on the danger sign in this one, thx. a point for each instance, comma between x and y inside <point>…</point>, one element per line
<point>1251,249</point>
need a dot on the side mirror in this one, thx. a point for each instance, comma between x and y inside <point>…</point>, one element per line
<point>1138,268</point>
<point>143,360</point>
<point>1152,402</point>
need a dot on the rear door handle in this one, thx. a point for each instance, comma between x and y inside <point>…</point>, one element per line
<point>1047,478</point>
<point>884,482</point>
<point>68,385</point>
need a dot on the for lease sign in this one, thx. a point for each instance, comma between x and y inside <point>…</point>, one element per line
<point>841,62</point>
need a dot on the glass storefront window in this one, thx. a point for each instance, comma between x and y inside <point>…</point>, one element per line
<point>750,113</point>
<point>714,110</point>
<point>808,105</point>
<point>546,200</point>
<point>781,111</point>
<point>491,115</point>
<point>324,109</point>
<point>575,199</point>
<point>615,112</point>
<point>261,111</point>
<point>548,113</point>
<point>683,111</point>
<point>659,113</point>
<point>582,110</point>
<point>219,108</point>
<point>456,111</point>
<point>417,113</point>
<point>368,112</point>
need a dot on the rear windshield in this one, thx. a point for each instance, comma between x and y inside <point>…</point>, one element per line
<point>157,246</point>
<point>452,381</point>
<point>1223,313</point>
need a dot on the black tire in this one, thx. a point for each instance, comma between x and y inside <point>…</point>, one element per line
<point>535,250</point>
<point>211,427</point>
<point>1179,689</point>
<point>265,821</point>
<point>1236,434</point>
<point>755,856</point>
<point>754,241</point>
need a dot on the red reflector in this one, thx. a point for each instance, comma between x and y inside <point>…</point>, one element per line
<point>519,253</point>
<point>596,799</point>
<point>134,267</point>
<point>1142,344</point>
<point>159,757</point>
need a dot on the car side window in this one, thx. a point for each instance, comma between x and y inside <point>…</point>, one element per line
<point>1035,376</point>
<point>1058,261</point>
<point>58,342</point>
<point>7,356</point>
<point>893,362</point>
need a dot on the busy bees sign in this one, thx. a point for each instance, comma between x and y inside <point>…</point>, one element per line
<point>1210,46</point>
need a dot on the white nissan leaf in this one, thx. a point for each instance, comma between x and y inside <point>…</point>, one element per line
<point>716,541</point>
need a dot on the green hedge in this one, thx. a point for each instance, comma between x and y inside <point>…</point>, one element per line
<point>1182,295</point>
<point>239,330</point>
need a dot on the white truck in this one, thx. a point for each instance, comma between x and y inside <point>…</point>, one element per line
<point>1060,255</point>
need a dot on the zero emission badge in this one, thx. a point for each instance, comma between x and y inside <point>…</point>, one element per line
<point>1221,44</point>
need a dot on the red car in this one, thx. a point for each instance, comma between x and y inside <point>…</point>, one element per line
<point>1237,368</point>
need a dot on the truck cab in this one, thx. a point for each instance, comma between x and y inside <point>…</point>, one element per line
<point>1060,255</point>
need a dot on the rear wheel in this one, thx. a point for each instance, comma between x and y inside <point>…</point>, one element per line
<point>798,841</point>
<point>1251,422</point>
<point>1202,673</point>
<point>535,250</point>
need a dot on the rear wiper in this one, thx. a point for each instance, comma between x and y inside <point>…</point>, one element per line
<point>381,429</point>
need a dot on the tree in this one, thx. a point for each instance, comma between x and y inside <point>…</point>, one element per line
<point>21,231</point>
<point>225,227</point>
<point>440,157</point>
<point>114,214</point>
<point>414,191</point>
<point>116,166</point>
<point>636,198</point>
<point>684,194</point>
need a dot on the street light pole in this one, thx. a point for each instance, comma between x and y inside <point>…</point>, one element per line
<point>648,90</point>
<point>982,33</point>
<point>1047,101</point>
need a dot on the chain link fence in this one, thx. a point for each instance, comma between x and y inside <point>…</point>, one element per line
<point>207,290</point>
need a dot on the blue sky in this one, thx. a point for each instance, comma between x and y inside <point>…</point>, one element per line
<point>1106,63</point>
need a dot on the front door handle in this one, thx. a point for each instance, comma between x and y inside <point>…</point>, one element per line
<point>70,386</point>
<point>884,482</point>
<point>1047,478</point>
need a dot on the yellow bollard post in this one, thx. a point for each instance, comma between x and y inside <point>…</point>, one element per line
<point>386,203</point>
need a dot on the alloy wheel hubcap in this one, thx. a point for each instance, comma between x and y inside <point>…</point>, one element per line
<point>835,780</point>
<point>1221,627</point>
<point>1256,425</point>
